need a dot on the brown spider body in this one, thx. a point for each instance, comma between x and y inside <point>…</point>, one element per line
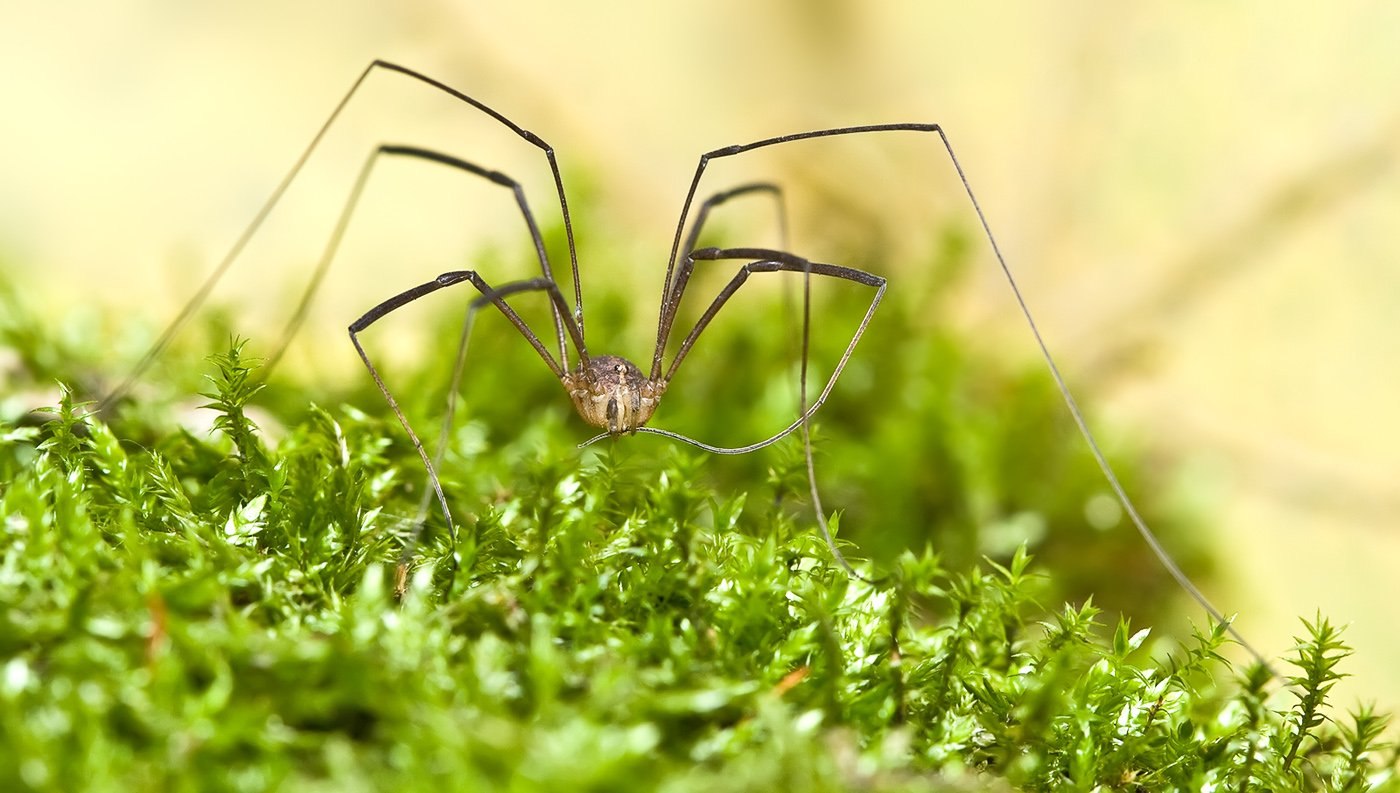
<point>612,393</point>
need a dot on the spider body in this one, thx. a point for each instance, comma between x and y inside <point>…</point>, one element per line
<point>612,393</point>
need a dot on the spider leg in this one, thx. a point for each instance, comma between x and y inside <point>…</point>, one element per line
<point>1168,563</point>
<point>763,260</point>
<point>352,201</point>
<point>491,295</point>
<point>673,293</point>
<point>674,288</point>
<point>459,363</point>
<point>212,280</point>
<point>557,313</point>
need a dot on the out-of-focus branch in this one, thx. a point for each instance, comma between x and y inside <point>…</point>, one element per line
<point>1131,333</point>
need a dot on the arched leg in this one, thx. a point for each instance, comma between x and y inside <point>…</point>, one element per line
<point>212,280</point>
<point>347,212</point>
<point>1168,563</point>
<point>489,295</point>
<point>768,261</point>
<point>674,288</point>
<point>763,260</point>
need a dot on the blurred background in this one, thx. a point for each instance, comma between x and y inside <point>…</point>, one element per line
<point>1199,203</point>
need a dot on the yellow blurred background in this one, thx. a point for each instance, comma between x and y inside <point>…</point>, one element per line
<point>1209,190</point>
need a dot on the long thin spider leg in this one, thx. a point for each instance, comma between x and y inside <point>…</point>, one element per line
<point>1147,534</point>
<point>671,306</point>
<point>769,260</point>
<point>780,261</point>
<point>489,294</point>
<point>673,291</point>
<point>807,455</point>
<point>205,289</point>
<point>718,199</point>
<point>352,201</point>
<point>459,364</point>
<point>358,326</point>
<point>763,260</point>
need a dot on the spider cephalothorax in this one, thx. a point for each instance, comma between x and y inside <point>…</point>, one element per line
<point>612,393</point>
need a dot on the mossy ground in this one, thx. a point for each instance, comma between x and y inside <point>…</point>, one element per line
<point>188,611</point>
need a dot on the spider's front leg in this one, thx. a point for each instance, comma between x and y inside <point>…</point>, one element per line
<point>489,296</point>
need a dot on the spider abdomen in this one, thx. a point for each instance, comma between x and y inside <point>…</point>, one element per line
<point>612,393</point>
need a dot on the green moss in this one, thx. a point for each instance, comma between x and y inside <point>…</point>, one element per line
<point>215,611</point>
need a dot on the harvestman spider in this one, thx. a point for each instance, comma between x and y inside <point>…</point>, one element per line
<point>610,392</point>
